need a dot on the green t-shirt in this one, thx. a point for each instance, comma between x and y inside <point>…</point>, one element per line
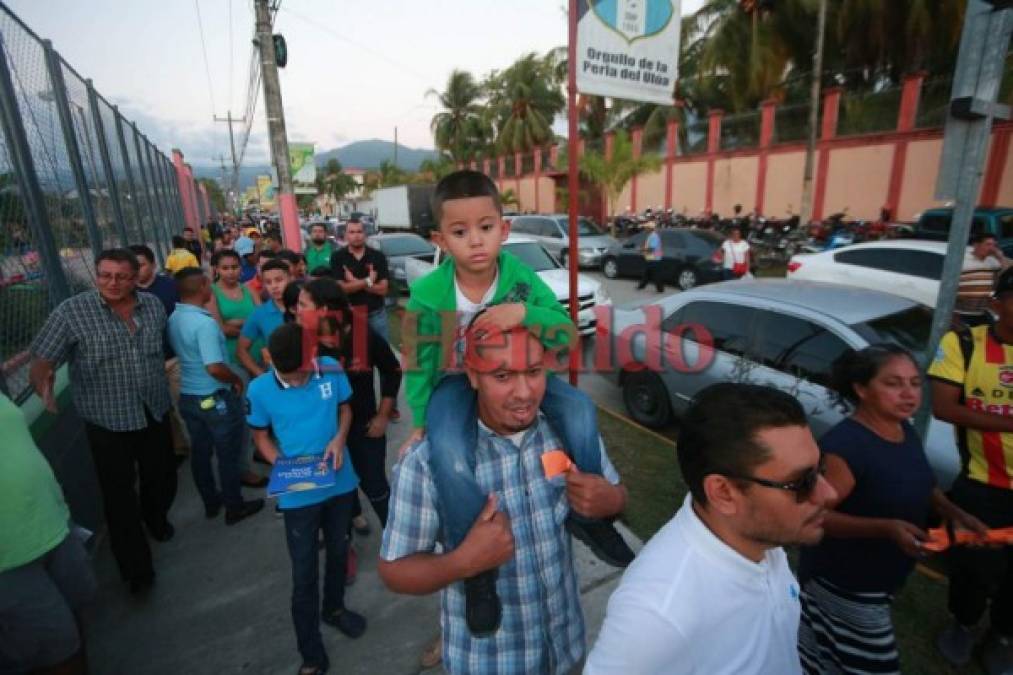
<point>33,515</point>
<point>318,257</point>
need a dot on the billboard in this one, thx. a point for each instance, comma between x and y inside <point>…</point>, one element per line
<point>628,49</point>
<point>265,191</point>
<point>304,168</point>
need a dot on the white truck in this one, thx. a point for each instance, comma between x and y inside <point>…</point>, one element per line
<point>404,208</point>
<point>590,292</point>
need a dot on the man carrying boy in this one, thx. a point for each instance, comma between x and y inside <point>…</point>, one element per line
<point>306,406</point>
<point>475,275</point>
<point>266,317</point>
<point>519,530</point>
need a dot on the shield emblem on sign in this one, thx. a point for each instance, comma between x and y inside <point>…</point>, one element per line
<point>634,19</point>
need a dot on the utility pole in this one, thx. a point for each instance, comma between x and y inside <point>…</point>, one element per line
<point>395,146</point>
<point>234,183</point>
<point>225,181</point>
<point>806,209</point>
<point>287,209</point>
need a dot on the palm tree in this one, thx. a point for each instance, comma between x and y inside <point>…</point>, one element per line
<point>613,173</point>
<point>459,130</point>
<point>523,100</point>
<point>435,169</point>
<point>509,197</point>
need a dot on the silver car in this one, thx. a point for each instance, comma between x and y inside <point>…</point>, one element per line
<point>552,232</point>
<point>777,332</point>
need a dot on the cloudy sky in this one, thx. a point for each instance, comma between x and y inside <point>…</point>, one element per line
<point>356,69</point>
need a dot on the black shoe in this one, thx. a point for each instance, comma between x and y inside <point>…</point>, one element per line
<point>233,516</point>
<point>602,538</point>
<point>163,533</point>
<point>141,585</point>
<point>348,622</point>
<point>483,609</point>
<point>212,511</point>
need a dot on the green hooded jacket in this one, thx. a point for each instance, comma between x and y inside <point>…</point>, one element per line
<point>430,322</point>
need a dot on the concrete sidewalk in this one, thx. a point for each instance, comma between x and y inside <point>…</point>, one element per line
<point>221,601</point>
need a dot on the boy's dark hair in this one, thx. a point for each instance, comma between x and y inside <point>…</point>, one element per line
<point>285,347</point>
<point>141,249</point>
<point>275,264</point>
<point>224,253</point>
<point>122,255</point>
<point>290,256</point>
<point>462,185</point>
<point>718,432</point>
<point>178,241</point>
<point>186,281</point>
<point>322,272</point>
<point>859,367</point>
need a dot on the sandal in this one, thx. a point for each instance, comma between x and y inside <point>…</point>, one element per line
<point>312,670</point>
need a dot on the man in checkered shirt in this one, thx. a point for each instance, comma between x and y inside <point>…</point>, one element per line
<point>520,531</point>
<point>113,340</point>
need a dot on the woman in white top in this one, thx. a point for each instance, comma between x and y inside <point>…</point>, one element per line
<point>736,255</point>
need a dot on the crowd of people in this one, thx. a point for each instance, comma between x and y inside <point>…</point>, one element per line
<point>263,353</point>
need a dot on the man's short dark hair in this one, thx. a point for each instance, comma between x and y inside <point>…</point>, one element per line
<point>980,237</point>
<point>224,253</point>
<point>285,347</point>
<point>718,432</point>
<point>290,256</point>
<point>320,225</point>
<point>120,255</point>
<point>267,254</point>
<point>275,264</point>
<point>187,282</point>
<point>462,185</point>
<point>178,241</point>
<point>141,249</point>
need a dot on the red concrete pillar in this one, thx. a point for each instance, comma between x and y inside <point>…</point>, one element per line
<point>554,157</point>
<point>485,166</point>
<point>671,141</point>
<point>906,116</point>
<point>996,164</point>
<point>518,165</point>
<point>473,165</point>
<point>831,110</point>
<point>538,175</point>
<point>767,111</point>
<point>610,143</point>
<point>713,145</point>
<point>637,138</point>
<point>501,160</point>
<point>184,185</point>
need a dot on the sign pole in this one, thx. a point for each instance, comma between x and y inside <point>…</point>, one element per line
<point>573,143</point>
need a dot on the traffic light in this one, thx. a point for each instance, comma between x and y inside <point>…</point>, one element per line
<point>280,50</point>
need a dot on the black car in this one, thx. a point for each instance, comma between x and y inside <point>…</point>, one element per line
<point>690,257</point>
<point>398,247</point>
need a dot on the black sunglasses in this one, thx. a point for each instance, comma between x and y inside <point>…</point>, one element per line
<point>802,487</point>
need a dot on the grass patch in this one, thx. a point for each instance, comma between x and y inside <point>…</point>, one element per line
<point>649,467</point>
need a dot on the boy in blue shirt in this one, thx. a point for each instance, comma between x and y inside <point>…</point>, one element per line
<point>268,315</point>
<point>306,405</point>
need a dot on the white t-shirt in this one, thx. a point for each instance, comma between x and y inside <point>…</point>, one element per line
<point>466,310</point>
<point>735,252</point>
<point>689,603</point>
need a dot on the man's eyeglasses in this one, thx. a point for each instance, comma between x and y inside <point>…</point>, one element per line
<point>802,487</point>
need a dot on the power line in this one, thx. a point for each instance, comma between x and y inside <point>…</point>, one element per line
<point>231,53</point>
<point>204,51</point>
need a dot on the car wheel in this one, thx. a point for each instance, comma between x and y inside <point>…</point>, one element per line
<point>647,400</point>
<point>687,278</point>
<point>610,268</point>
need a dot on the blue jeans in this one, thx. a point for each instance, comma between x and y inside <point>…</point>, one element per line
<point>219,429</point>
<point>301,528</point>
<point>452,444</point>
<point>378,322</point>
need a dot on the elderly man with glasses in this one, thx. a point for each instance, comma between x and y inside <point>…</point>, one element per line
<point>712,592</point>
<point>113,340</point>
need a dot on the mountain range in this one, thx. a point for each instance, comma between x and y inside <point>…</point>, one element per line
<point>358,155</point>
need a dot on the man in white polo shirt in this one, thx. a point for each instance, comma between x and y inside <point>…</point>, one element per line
<point>711,592</point>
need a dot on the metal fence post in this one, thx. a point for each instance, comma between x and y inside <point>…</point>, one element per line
<point>146,187</point>
<point>130,181</point>
<point>177,199</point>
<point>157,188</point>
<point>107,164</point>
<point>59,91</point>
<point>28,182</point>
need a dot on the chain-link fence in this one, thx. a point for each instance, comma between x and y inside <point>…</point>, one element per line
<point>869,112</point>
<point>75,178</point>
<point>740,131</point>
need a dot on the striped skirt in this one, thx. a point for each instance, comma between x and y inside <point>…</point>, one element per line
<point>845,632</point>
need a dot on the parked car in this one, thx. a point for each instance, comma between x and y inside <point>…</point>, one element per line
<point>770,331</point>
<point>910,268</point>
<point>552,232</point>
<point>400,248</point>
<point>934,224</point>
<point>690,257</point>
<point>590,292</point>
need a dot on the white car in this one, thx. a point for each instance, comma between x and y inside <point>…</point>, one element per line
<point>910,268</point>
<point>590,292</point>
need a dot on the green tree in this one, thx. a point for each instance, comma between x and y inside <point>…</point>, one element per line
<point>459,130</point>
<point>522,102</point>
<point>509,198</point>
<point>332,180</point>
<point>432,170</point>
<point>215,194</point>
<point>615,172</point>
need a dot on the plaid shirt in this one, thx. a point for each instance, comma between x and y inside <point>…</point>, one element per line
<point>542,630</point>
<point>114,375</point>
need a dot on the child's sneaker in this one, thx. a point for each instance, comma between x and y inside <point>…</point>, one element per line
<point>483,609</point>
<point>602,537</point>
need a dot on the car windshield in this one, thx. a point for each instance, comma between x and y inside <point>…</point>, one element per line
<point>585,227</point>
<point>909,328</point>
<point>532,255</point>
<point>405,246</point>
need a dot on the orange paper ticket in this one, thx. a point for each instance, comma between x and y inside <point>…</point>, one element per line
<point>555,462</point>
<point>939,541</point>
